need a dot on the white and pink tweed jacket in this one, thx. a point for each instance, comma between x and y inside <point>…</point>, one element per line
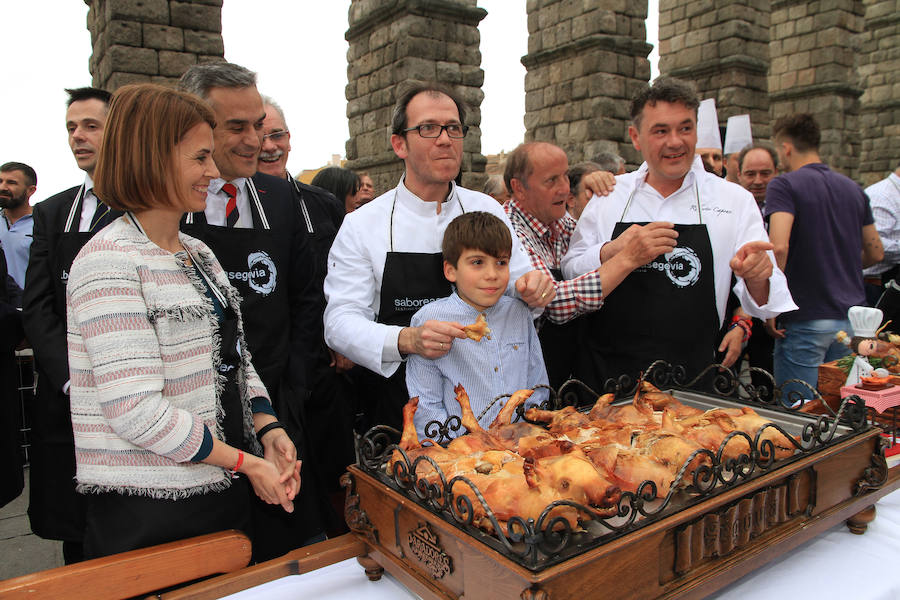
<point>143,365</point>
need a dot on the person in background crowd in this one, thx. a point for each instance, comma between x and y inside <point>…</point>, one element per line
<point>757,166</point>
<point>320,211</point>
<point>11,474</point>
<point>63,224</point>
<point>332,397</point>
<point>610,162</point>
<point>496,189</point>
<point>366,189</point>
<point>884,197</point>
<point>817,218</point>
<point>386,263</point>
<point>701,229</point>
<point>709,138</point>
<point>341,182</point>
<point>738,137</point>
<point>152,322</point>
<point>536,172</point>
<point>252,224</point>
<point>579,195</point>
<point>18,183</point>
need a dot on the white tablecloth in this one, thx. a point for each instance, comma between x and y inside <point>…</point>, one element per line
<point>836,565</point>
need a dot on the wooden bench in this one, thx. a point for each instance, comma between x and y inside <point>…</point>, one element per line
<point>137,572</point>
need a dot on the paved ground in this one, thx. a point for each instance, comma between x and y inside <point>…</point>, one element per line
<point>22,551</point>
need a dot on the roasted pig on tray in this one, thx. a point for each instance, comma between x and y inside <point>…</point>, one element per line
<point>588,458</point>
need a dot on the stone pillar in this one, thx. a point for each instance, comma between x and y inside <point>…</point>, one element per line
<point>585,60</point>
<point>813,51</point>
<point>151,40</point>
<point>723,48</point>
<point>395,41</point>
<point>879,71</point>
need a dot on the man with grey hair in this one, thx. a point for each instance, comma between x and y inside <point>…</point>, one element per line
<point>253,226</point>
<point>320,212</point>
<point>386,263</point>
<point>331,398</point>
<point>610,162</point>
<point>537,174</point>
<point>701,230</point>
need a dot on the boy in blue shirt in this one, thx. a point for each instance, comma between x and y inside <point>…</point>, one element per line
<point>476,249</point>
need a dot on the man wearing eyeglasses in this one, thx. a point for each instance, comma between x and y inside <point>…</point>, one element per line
<point>385,262</point>
<point>320,211</point>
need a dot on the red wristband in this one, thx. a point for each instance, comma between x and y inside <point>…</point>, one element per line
<point>240,461</point>
<point>743,324</point>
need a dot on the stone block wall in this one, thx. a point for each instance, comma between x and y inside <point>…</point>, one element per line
<point>585,60</point>
<point>151,40</point>
<point>879,72</point>
<point>723,48</point>
<point>813,50</point>
<point>396,41</point>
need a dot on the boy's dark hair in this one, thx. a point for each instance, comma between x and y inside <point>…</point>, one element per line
<point>476,231</point>
<point>87,93</point>
<point>801,129</point>
<point>664,89</point>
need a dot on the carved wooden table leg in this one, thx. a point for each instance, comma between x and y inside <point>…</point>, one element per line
<point>859,522</point>
<point>374,571</point>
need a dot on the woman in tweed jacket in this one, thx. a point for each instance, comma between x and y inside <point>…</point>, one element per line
<point>166,405</point>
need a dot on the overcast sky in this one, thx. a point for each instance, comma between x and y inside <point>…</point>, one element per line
<point>296,46</point>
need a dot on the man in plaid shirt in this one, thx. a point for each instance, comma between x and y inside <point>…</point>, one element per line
<point>536,176</point>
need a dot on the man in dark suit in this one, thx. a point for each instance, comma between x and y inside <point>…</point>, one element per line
<point>255,231</point>
<point>62,225</point>
<point>11,480</point>
<point>332,397</point>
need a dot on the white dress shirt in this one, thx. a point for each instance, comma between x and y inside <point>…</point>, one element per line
<point>884,197</point>
<point>216,200</point>
<point>729,212</point>
<point>88,205</point>
<point>356,266</point>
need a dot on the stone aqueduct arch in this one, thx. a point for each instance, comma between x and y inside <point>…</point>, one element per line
<point>839,59</point>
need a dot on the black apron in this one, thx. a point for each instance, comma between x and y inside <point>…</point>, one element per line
<point>410,281</point>
<point>120,522</point>
<point>250,258</point>
<point>665,310</point>
<point>55,509</point>
<point>560,344</point>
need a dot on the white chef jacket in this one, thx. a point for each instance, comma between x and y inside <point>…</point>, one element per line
<point>729,212</point>
<point>356,266</point>
<point>216,200</point>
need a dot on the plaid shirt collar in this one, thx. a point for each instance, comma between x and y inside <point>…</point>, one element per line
<point>517,213</point>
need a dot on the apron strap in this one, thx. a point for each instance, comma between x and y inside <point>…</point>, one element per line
<point>631,197</point>
<point>303,209</point>
<point>79,198</point>
<point>255,196</point>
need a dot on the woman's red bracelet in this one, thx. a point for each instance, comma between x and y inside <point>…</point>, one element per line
<point>240,461</point>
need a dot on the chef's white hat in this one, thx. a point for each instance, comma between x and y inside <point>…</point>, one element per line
<point>708,125</point>
<point>865,320</point>
<point>737,134</point>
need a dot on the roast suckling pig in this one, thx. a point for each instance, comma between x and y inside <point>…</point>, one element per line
<point>588,458</point>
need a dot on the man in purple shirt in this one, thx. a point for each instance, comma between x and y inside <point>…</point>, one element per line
<point>821,225</point>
